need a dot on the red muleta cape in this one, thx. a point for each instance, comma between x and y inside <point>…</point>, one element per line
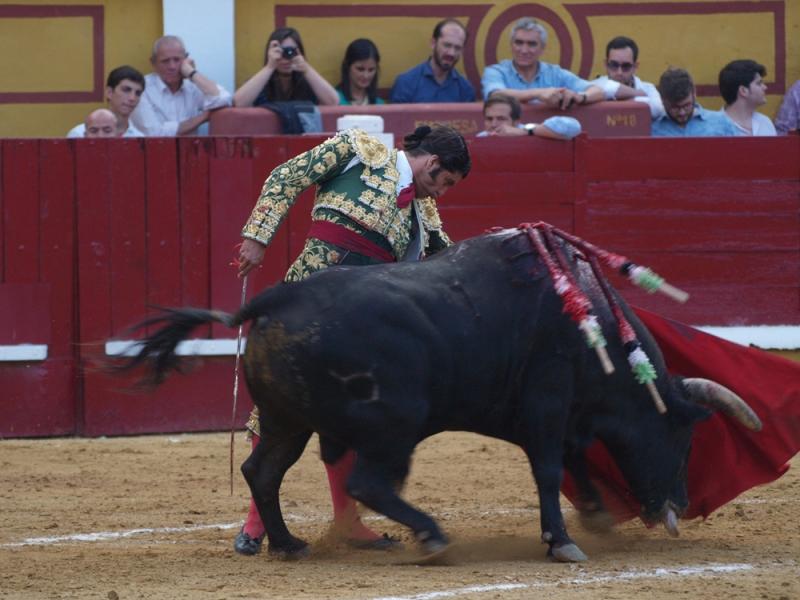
<point>726,459</point>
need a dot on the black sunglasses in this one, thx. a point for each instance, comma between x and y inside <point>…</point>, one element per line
<point>614,65</point>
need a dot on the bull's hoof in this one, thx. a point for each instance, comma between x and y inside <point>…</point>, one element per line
<point>435,554</point>
<point>294,550</point>
<point>434,546</point>
<point>431,541</point>
<point>596,521</point>
<point>567,553</point>
<point>670,520</point>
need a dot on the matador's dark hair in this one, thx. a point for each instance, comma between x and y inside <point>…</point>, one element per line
<point>445,142</point>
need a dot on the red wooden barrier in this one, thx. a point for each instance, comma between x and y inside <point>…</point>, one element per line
<point>604,119</point>
<point>37,298</point>
<point>720,219</point>
<point>95,232</point>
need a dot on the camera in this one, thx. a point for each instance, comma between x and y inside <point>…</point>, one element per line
<point>288,52</point>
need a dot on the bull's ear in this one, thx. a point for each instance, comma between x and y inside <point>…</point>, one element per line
<point>717,397</point>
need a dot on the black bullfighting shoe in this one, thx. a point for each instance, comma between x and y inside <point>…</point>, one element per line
<point>244,544</point>
<point>382,543</point>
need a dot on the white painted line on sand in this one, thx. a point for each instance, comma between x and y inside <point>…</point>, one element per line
<point>102,536</point>
<point>690,571</point>
<point>105,536</point>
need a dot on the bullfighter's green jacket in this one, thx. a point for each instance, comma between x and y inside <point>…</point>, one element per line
<point>362,198</point>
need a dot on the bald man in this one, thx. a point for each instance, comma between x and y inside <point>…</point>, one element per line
<point>177,98</point>
<point>101,123</point>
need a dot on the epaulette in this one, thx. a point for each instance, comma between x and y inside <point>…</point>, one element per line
<point>369,150</point>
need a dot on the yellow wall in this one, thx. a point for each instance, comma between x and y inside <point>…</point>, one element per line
<point>700,43</point>
<point>57,54</point>
<point>54,54</point>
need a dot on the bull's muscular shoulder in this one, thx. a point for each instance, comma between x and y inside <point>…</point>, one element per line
<point>368,149</point>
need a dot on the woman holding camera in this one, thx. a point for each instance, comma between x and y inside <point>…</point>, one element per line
<point>285,75</point>
<point>360,68</point>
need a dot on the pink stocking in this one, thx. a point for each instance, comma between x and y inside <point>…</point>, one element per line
<point>253,525</point>
<point>345,513</point>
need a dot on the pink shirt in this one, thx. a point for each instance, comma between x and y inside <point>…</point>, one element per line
<point>788,116</point>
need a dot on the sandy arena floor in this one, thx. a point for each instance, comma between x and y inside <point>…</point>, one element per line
<point>151,517</point>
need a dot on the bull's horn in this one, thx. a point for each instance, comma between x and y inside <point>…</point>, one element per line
<point>718,397</point>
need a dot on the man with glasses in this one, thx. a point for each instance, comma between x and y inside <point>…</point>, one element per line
<point>622,61</point>
<point>685,118</point>
<point>436,79</point>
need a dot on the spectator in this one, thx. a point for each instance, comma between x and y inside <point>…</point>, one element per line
<point>621,82</point>
<point>124,87</point>
<point>741,85</point>
<point>528,79</point>
<point>436,79</point>
<point>177,98</point>
<point>501,115</point>
<point>286,75</point>
<point>359,83</point>
<point>101,123</point>
<point>683,116</point>
<point>788,118</point>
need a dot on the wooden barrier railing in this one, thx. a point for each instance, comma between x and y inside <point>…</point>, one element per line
<point>605,119</point>
<point>94,232</point>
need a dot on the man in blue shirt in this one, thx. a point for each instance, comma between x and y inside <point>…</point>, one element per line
<point>528,79</point>
<point>684,117</point>
<point>436,79</point>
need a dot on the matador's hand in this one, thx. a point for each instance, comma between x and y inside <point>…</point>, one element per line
<point>251,254</point>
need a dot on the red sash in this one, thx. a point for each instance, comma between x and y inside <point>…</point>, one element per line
<point>343,237</point>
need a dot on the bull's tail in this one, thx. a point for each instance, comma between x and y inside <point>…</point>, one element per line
<point>157,352</point>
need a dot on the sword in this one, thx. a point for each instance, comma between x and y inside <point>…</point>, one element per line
<point>236,379</point>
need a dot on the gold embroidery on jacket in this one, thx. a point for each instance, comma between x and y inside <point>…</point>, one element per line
<point>431,221</point>
<point>375,207</point>
<point>363,214</point>
<point>369,150</point>
<point>288,180</point>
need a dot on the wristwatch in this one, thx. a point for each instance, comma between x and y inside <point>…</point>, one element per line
<point>529,127</point>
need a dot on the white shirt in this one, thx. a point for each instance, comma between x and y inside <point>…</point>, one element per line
<point>405,174</point>
<point>761,125</point>
<point>652,99</point>
<point>79,131</point>
<point>160,112</point>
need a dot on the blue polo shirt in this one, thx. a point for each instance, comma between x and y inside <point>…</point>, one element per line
<point>503,76</point>
<point>704,123</point>
<point>419,85</point>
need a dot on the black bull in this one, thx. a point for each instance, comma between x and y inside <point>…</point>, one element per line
<point>474,339</point>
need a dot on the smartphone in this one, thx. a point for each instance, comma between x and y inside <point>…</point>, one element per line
<point>289,52</point>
